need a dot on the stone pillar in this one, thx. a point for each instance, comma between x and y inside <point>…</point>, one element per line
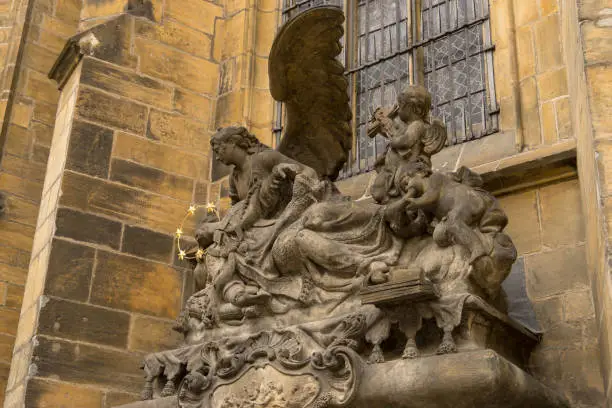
<point>129,156</point>
<point>588,51</point>
<point>32,33</point>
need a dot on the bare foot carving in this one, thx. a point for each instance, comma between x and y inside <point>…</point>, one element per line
<point>376,356</point>
<point>448,344</point>
<point>410,351</point>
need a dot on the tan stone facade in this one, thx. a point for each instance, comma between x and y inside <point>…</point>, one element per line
<point>99,176</point>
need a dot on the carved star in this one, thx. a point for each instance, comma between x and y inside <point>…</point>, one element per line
<point>199,254</point>
<point>181,254</point>
<point>192,209</point>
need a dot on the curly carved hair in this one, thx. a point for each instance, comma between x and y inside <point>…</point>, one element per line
<point>240,136</point>
<point>418,96</point>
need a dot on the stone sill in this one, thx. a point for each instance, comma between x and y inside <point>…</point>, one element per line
<point>529,169</point>
<point>507,174</point>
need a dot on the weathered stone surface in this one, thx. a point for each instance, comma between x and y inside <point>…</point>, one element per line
<point>147,244</point>
<point>136,285</point>
<point>47,394</point>
<point>197,14</point>
<point>523,224</point>
<point>187,71</point>
<point>487,149</point>
<point>549,312</point>
<point>549,123</point>
<point>74,321</point>
<point>355,187</point>
<point>177,35</point>
<point>526,53</point>
<point>88,228</point>
<point>147,178</point>
<point>562,202</point>
<point>525,13</point>
<point>111,111</point>
<point>530,116</point>
<point>17,235</point>
<point>161,156</point>
<point>194,105</point>
<point>597,43</point>
<point>552,84</point>
<point>600,93</point>
<point>152,334</point>
<point>556,271</point>
<point>564,119</point>
<point>93,195</point>
<point>6,347</point>
<point>14,296</point>
<point>69,271</point>
<point>548,41</point>
<point>8,320</point>
<point>125,83</point>
<point>114,399</point>
<point>67,361</point>
<point>178,131</point>
<point>548,7</point>
<point>473,379</point>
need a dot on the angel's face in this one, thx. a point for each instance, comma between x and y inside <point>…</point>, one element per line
<point>224,152</point>
<point>406,111</point>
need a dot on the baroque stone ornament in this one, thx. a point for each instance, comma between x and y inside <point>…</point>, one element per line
<point>311,370</point>
<point>298,288</point>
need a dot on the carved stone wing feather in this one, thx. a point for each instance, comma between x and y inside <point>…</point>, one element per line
<point>435,137</point>
<point>307,77</point>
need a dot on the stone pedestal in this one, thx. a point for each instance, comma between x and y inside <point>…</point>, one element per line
<point>472,379</point>
<point>329,363</point>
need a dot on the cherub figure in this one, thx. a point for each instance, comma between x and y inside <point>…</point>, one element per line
<point>459,206</point>
<point>412,138</point>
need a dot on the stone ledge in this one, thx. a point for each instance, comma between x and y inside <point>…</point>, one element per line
<point>465,380</point>
<point>529,169</point>
<point>510,173</point>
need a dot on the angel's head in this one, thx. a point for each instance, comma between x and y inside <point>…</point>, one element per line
<point>233,144</point>
<point>414,103</point>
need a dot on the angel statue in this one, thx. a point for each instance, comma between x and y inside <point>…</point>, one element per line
<point>412,139</point>
<point>290,238</point>
<point>291,244</point>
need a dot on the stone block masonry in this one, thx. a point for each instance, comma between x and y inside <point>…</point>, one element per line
<point>129,155</point>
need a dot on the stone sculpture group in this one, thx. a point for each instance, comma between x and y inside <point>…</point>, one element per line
<point>300,285</point>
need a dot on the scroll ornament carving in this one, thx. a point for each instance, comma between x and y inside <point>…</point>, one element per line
<point>328,357</point>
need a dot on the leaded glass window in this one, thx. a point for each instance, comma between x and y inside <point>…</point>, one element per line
<point>457,65</point>
<point>379,68</point>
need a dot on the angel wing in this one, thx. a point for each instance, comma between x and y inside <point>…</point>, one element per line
<point>435,137</point>
<point>307,77</point>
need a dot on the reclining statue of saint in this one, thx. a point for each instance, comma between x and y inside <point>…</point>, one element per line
<point>291,241</point>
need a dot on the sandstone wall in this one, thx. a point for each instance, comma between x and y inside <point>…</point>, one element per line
<point>32,33</point>
<point>130,153</point>
<point>547,226</point>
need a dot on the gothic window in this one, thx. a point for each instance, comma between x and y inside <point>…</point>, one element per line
<point>443,44</point>
<point>455,50</point>
<point>378,68</point>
